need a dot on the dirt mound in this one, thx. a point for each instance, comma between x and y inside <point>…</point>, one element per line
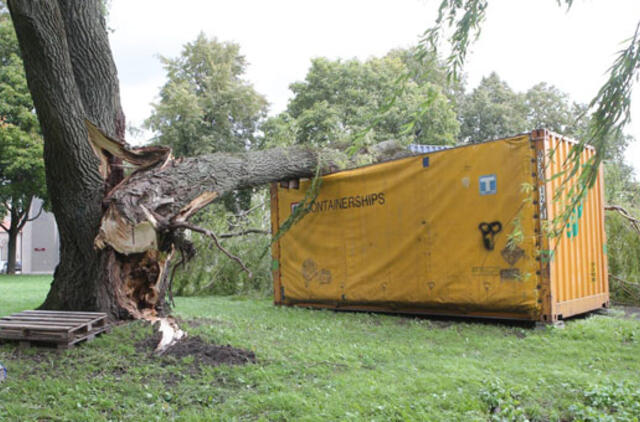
<point>203,352</point>
<point>210,354</point>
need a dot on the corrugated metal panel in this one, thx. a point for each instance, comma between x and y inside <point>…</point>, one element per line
<point>578,268</point>
<point>426,149</point>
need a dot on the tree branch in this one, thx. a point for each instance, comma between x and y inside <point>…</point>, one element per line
<point>38,214</point>
<point>622,280</point>
<point>635,223</point>
<point>631,289</point>
<point>243,233</point>
<point>249,211</point>
<point>24,215</point>
<point>202,230</point>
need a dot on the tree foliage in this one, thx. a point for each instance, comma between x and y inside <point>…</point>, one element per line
<point>493,110</point>
<point>466,17</point>
<point>21,147</point>
<point>206,106</point>
<point>341,98</point>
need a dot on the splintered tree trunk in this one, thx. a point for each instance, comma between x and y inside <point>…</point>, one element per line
<point>118,235</point>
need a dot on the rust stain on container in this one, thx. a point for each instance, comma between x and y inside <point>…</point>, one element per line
<point>408,236</point>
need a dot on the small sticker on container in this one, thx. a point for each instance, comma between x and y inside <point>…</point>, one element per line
<point>488,184</point>
<point>425,162</point>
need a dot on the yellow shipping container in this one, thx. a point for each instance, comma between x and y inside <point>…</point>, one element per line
<point>431,234</point>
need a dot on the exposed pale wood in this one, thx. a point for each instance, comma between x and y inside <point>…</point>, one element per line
<point>141,157</point>
<point>195,205</point>
<point>123,236</point>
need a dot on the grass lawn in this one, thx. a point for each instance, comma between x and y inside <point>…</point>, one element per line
<point>20,292</point>
<point>323,365</point>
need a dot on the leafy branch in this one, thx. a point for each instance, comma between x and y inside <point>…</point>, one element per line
<point>467,30</point>
<point>612,112</point>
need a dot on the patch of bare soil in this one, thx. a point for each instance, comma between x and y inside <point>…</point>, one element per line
<point>203,352</point>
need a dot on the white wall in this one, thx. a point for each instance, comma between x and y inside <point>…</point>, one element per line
<point>40,243</point>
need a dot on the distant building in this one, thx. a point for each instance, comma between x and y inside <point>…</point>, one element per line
<point>38,245</point>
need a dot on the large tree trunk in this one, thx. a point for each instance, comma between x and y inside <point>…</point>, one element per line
<point>12,248</point>
<point>72,76</point>
<point>117,234</point>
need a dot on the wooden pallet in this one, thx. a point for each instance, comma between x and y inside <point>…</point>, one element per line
<point>62,329</point>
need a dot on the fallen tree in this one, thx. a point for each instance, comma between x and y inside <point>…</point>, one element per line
<point>147,211</point>
<point>119,234</point>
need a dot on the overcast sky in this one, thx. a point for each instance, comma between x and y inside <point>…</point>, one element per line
<point>524,41</point>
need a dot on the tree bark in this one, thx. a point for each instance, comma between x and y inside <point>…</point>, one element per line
<point>71,76</point>
<point>12,243</point>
